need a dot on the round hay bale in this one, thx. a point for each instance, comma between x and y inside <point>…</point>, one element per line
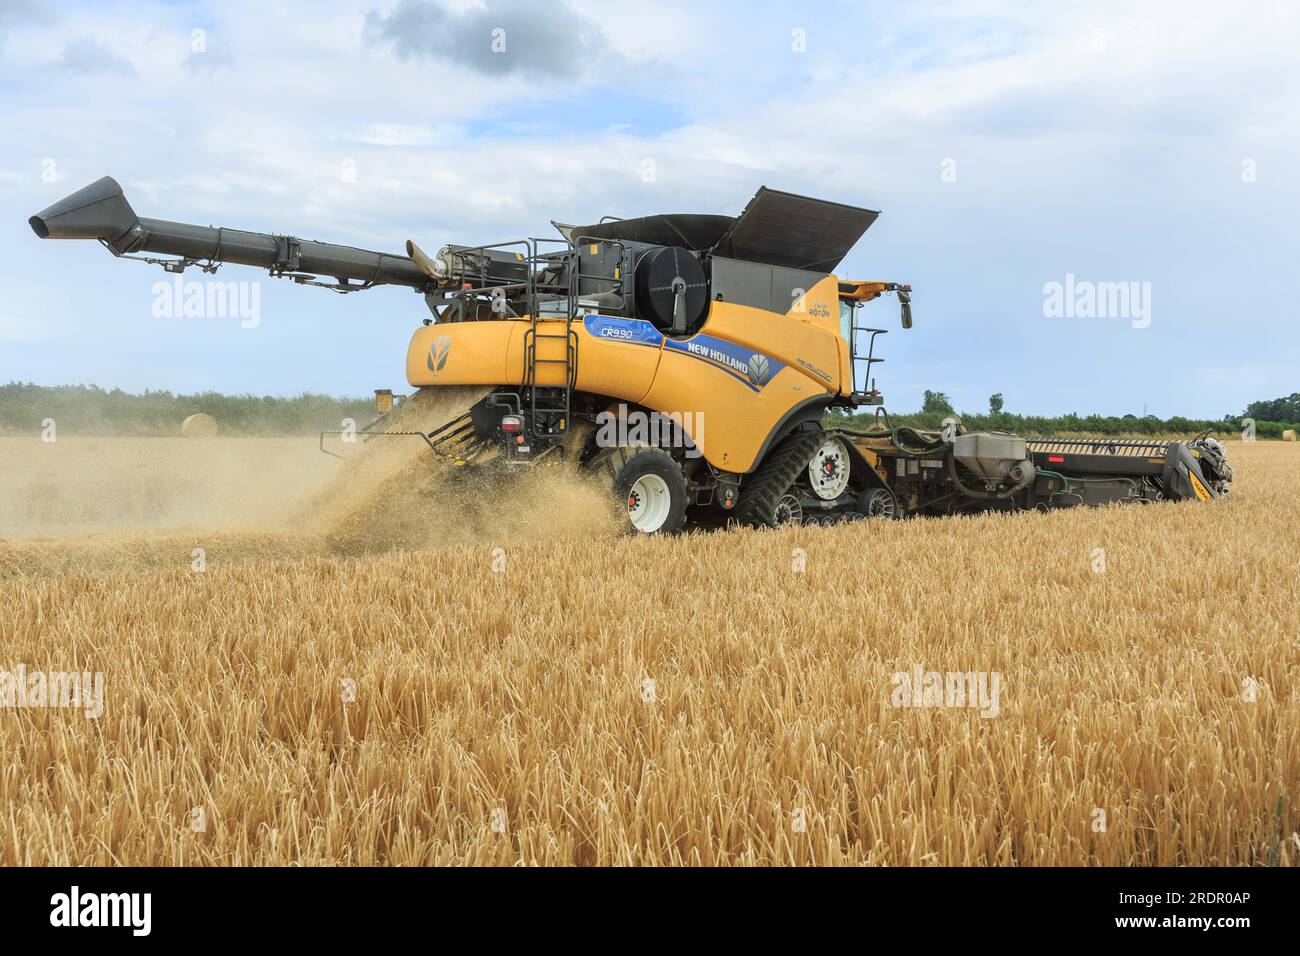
<point>201,425</point>
<point>1289,435</point>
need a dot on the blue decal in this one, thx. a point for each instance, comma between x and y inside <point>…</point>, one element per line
<point>615,329</point>
<point>752,368</point>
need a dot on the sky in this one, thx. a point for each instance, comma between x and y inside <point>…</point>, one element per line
<point>1008,147</point>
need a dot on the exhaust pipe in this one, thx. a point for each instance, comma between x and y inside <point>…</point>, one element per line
<point>100,211</point>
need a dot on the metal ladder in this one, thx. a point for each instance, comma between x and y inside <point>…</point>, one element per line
<point>537,408</point>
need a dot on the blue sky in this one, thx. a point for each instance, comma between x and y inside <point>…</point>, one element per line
<point>1007,146</point>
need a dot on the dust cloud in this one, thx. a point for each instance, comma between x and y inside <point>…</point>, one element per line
<point>104,504</point>
<point>397,494</point>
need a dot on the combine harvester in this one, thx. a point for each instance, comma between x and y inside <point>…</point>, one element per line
<point>731,337</point>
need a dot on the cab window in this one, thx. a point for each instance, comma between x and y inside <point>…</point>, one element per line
<point>846,320</point>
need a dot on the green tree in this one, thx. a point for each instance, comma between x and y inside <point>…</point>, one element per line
<point>995,404</point>
<point>937,402</point>
<point>1278,410</point>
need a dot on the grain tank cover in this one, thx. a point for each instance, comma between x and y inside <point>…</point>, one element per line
<point>782,229</point>
<point>696,232</point>
<point>776,229</point>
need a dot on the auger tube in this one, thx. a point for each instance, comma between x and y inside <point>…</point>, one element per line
<point>100,211</point>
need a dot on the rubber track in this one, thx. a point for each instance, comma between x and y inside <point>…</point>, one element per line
<point>763,489</point>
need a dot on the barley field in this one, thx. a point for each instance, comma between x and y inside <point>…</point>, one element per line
<point>298,675</point>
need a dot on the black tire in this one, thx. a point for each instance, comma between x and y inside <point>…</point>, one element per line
<point>761,492</point>
<point>878,503</point>
<point>623,468</point>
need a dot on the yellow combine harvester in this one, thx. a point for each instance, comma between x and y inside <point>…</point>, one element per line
<point>689,359</point>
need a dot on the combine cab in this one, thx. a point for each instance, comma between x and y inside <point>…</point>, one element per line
<point>686,360</point>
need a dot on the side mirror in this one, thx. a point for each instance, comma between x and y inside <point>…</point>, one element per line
<point>907,314</point>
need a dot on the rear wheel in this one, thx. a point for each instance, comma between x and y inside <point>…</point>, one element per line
<point>649,489</point>
<point>788,511</point>
<point>877,503</point>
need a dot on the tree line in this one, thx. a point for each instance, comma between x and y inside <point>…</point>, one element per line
<point>89,410</point>
<point>1270,419</point>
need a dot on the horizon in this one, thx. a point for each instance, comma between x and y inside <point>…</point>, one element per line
<point>369,397</point>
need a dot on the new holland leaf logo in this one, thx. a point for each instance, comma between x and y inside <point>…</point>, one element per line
<point>759,369</point>
<point>438,352</point>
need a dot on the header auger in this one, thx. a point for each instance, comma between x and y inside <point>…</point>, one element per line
<point>687,360</point>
